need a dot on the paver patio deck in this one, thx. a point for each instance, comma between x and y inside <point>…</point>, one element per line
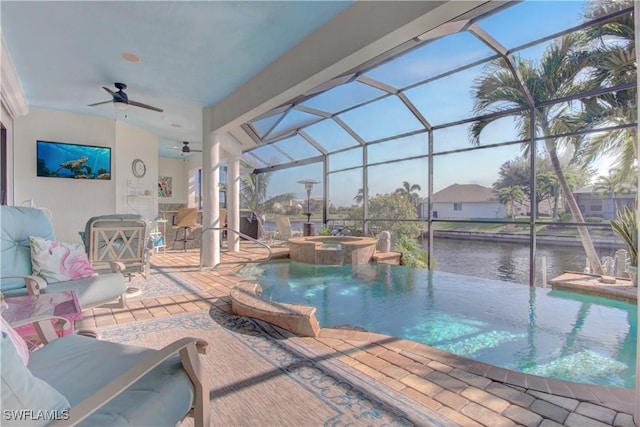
<point>468,392</point>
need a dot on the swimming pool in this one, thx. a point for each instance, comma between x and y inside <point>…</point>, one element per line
<point>556,334</point>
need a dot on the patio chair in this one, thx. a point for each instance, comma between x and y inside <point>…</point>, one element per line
<point>284,230</point>
<point>19,225</point>
<point>119,237</point>
<point>186,221</point>
<point>80,380</point>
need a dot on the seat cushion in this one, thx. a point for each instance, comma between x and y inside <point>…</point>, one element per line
<point>17,224</point>
<point>78,366</point>
<point>34,401</point>
<point>91,291</point>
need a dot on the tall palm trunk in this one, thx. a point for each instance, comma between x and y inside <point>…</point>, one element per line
<point>570,200</point>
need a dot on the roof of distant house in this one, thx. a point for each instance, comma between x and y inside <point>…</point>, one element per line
<point>587,190</point>
<point>467,193</point>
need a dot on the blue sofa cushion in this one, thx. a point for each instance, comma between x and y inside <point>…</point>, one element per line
<point>26,399</point>
<point>91,291</point>
<point>18,223</point>
<point>160,398</point>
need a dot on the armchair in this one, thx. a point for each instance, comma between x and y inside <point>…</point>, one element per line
<point>77,380</point>
<point>17,225</point>
<point>121,238</point>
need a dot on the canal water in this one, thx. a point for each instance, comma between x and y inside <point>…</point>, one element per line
<point>499,260</point>
<point>506,261</point>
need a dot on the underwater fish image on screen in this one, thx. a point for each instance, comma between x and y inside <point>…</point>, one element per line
<point>63,160</point>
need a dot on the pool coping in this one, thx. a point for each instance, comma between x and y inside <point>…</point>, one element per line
<point>621,289</point>
<point>618,398</point>
<point>246,300</point>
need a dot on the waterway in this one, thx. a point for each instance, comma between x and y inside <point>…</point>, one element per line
<point>506,261</point>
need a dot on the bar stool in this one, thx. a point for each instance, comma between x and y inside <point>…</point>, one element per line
<point>186,221</point>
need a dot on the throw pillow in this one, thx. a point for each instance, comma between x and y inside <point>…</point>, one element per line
<point>59,261</point>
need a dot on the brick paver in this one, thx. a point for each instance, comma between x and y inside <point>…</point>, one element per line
<point>577,420</point>
<point>450,399</point>
<point>596,412</point>
<point>510,394</point>
<point>485,399</point>
<point>522,416</point>
<point>469,393</point>
<point>486,416</point>
<point>549,410</point>
<point>447,381</point>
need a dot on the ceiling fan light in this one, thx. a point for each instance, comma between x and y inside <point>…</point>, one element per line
<point>130,57</point>
<point>119,105</point>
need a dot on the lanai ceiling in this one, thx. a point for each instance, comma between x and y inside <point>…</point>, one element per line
<point>192,54</point>
<point>195,54</point>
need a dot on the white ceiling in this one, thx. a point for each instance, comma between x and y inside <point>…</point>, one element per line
<point>193,54</point>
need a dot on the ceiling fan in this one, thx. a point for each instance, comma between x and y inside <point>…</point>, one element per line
<point>121,99</point>
<point>186,149</point>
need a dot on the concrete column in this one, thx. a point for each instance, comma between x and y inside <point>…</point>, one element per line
<point>210,255</point>
<point>233,202</point>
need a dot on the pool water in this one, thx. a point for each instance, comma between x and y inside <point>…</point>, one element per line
<point>556,334</point>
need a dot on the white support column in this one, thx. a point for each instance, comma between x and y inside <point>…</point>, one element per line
<point>233,202</point>
<point>210,255</point>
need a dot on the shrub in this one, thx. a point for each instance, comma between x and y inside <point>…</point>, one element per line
<point>324,231</point>
<point>412,254</point>
<point>565,217</point>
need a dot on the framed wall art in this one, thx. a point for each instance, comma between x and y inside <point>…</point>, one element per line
<point>164,186</point>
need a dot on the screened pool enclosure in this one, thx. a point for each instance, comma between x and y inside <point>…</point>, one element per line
<point>499,142</point>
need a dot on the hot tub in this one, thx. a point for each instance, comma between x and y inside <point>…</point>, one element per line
<point>332,250</point>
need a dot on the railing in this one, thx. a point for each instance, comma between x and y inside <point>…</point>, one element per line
<point>239,233</point>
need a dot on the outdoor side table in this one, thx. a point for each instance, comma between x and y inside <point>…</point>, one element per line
<point>22,309</point>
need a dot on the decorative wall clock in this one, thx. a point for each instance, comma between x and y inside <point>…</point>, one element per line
<point>139,168</point>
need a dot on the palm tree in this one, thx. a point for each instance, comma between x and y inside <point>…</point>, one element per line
<point>359,198</point>
<point>549,189</point>
<point>500,89</point>
<point>410,191</point>
<point>612,186</point>
<point>253,187</point>
<point>510,195</point>
<point>612,49</point>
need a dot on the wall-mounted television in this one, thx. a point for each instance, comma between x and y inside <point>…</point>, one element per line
<point>63,160</point>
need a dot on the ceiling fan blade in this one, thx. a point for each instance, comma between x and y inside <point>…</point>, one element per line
<point>112,93</point>
<point>99,103</point>
<point>148,107</point>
